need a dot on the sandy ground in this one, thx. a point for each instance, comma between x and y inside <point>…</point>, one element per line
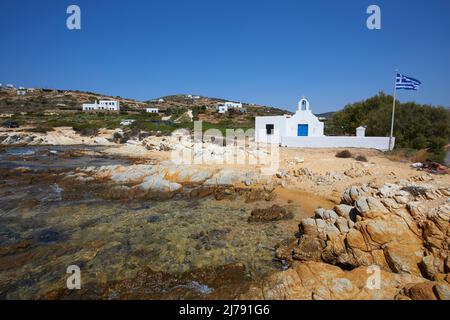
<point>379,168</point>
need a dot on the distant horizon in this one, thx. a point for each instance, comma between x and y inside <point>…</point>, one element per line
<point>263,52</point>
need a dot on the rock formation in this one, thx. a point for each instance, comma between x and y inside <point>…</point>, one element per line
<point>401,229</point>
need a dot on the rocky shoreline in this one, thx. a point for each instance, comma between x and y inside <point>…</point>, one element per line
<point>388,217</point>
<point>401,228</point>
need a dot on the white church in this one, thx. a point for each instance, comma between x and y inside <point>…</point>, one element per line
<point>304,130</point>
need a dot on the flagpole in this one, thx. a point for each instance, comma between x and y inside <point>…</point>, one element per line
<point>393,112</point>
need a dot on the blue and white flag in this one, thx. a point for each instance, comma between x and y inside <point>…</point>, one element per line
<point>406,83</point>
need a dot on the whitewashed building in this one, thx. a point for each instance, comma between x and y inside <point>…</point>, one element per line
<point>152,110</point>
<point>304,130</point>
<point>223,108</point>
<point>233,105</point>
<point>21,92</point>
<point>102,105</point>
<point>302,124</point>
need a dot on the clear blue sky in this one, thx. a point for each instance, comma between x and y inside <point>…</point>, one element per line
<point>267,52</point>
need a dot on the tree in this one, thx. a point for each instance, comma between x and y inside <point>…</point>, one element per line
<point>416,126</point>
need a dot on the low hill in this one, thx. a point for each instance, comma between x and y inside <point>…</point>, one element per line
<point>205,108</point>
<point>45,109</point>
<point>326,115</point>
<point>174,106</point>
<point>41,100</point>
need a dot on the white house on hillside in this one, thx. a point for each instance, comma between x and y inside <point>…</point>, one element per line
<point>152,110</point>
<point>303,129</point>
<point>223,108</point>
<point>231,105</point>
<point>102,105</point>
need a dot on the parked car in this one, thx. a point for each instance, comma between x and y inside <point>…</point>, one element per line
<point>10,124</point>
<point>127,122</point>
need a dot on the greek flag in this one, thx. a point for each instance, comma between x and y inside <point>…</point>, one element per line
<point>406,83</point>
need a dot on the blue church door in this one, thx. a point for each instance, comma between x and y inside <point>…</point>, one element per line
<point>302,130</point>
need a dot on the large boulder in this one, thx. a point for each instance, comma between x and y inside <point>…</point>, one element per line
<point>321,281</point>
<point>421,291</point>
<point>350,195</point>
<point>346,211</point>
<point>132,174</point>
<point>409,249</point>
<point>185,174</point>
<point>404,258</point>
<point>226,177</point>
<point>157,183</point>
<point>369,207</point>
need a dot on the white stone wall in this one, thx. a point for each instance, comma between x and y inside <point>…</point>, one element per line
<point>379,143</point>
<point>279,123</point>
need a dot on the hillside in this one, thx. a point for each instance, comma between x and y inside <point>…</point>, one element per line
<point>42,101</point>
<point>326,115</point>
<point>204,109</point>
<point>42,110</point>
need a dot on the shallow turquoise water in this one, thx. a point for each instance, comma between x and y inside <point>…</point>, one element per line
<point>44,229</point>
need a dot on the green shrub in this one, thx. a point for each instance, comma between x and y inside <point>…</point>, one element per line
<point>86,130</point>
<point>417,127</point>
<point>40,129</point>
<point>344,154</point>
<point>361,158</point>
